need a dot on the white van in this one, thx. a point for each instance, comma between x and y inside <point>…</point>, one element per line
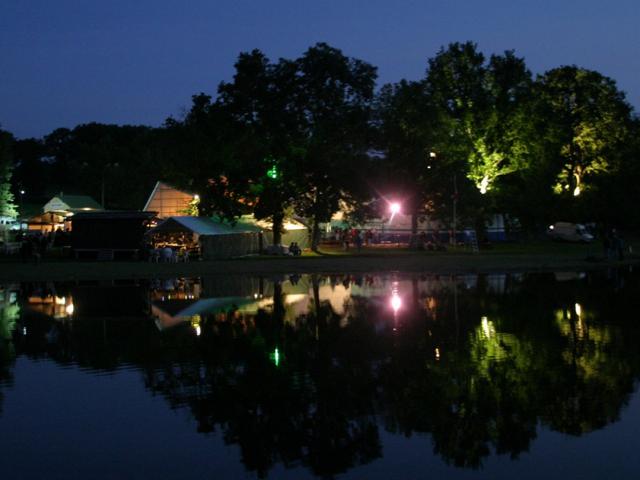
<point>9,223</point>
<point>569,232</point>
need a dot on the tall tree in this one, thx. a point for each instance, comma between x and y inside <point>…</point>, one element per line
<point>334,97</point>
<point>480,110</point>
<point>116,165</point>
<point>7,207</point>
<point>484,132</point>
<point>31,173</point>
<point>502,142</point>
<point>585,120</point>
<point>259,105</point>
<point>406,125</point>
<point>455,85</point>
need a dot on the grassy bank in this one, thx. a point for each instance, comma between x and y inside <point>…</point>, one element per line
<point>542,256</point>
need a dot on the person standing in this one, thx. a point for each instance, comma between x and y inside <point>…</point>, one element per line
<point>358,240</point>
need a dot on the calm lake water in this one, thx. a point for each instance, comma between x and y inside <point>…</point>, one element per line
<point>368,376</point>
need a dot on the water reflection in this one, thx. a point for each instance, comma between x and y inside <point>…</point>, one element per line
<point>308,370</point>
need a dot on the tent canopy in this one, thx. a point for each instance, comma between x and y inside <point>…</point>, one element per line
<point>250,223</point>
<point>197,225</point>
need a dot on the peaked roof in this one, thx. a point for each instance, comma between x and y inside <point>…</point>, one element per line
<point>159,186</point>
<point>78,201</point>
<point>199,225</point>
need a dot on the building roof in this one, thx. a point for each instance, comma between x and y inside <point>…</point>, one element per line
<point>167,200</point>
<point>72,202</point>
<point>80,201</point>
<point>198,225</point>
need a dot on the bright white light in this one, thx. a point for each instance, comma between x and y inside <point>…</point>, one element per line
<point>198,330</point>
<point>196,197</point>
<point>69,309</point>
<point>484,185</point>
<point>394,208</point>
<point>578,309</point>
<point>488,329</point>
<point>396,303</point>
<point>576,191</point>
<point>432,154</point>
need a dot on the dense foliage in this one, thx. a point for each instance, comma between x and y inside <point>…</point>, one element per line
<point>311,136</point>
<point>7,207</point>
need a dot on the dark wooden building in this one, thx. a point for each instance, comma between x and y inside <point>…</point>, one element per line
<point>109,235</point>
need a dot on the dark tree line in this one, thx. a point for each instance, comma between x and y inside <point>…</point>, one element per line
<point>312,135</point>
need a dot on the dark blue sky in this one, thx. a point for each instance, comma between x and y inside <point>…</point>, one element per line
<point>64,62</point>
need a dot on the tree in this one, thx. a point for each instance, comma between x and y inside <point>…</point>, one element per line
<point>455,86</point>
<point>280,137</point>
<point>198,157</point>
<point>30,173</point>
<point>406,137</point>
<point>116,165</point>
<point>484,133</point>
<point>334,97</point>
<point>480,111</point>
<point>503,142</point>
<point>264,127</point>
<point>585,122</point>
<point>7,207</point>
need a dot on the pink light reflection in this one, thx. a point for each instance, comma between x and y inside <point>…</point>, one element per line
<point>396,303</point>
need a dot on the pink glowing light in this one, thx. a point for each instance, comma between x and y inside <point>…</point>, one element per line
<point>396,303</point>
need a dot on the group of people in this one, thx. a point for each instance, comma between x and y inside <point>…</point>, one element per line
<point>430,241</point>
<point>33,248</point>
<point>294,249</point>
<point>34,245</point>
<point>166,254</point>
<point>349,236</point>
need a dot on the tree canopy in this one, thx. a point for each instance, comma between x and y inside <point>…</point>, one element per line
<point>7,207</point>
<point>311,135</point>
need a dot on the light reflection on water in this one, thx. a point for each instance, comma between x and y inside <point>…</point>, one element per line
<point>316,375</point>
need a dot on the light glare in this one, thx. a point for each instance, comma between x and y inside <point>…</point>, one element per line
<point>396,303</point>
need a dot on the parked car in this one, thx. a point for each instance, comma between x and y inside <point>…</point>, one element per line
<point>569,232</point>
<point>9,223</point>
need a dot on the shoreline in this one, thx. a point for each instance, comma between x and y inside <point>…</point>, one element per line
<point>413,262</point>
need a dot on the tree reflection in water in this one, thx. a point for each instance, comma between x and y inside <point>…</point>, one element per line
<point>305,371</point>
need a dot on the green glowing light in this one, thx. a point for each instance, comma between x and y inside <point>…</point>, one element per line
<point>275,356</point>
<point>272,173</point>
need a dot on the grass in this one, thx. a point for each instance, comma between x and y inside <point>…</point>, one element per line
<point>525,256</point>
<point>528,248</point>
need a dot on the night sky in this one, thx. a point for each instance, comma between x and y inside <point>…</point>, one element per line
<point>65,62</point>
